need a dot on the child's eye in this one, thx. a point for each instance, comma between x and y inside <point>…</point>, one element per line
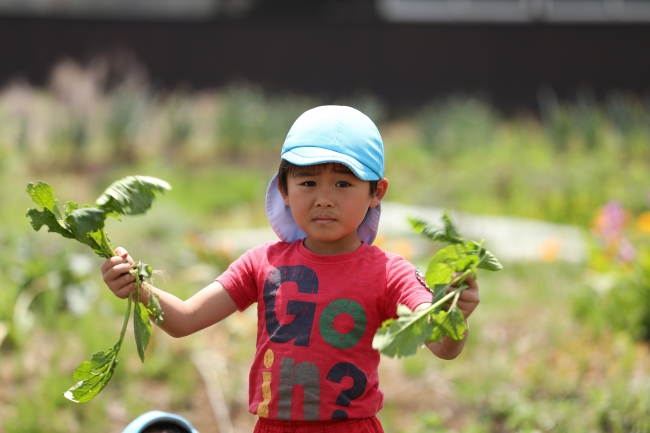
<point>342,184</point>
<point>308,183</point>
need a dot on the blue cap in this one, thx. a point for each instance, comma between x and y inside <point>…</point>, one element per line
<point>330,133</point>
<point>335,133</point>
<point>150,418</point>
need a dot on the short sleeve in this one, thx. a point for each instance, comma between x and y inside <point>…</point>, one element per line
<point>240,279</point>
<point>404,285</point>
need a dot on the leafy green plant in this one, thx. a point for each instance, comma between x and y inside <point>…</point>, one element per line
<point>179,120</point>
<point>128,109</point>
<point>446,274</point>
<point>452,126</point>
<point>129,196</point>
<point>241,117</point>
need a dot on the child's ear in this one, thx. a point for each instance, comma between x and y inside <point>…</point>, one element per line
<point>380,192</point>
<point>284,196</point>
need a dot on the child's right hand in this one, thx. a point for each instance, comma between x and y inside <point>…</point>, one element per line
<point>115,271</point>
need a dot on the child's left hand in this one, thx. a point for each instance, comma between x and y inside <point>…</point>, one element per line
<point>469,298</point>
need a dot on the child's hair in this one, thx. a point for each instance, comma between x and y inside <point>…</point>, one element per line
<point>156,421</point>
<point>288,169</point>
<point>165,427</point>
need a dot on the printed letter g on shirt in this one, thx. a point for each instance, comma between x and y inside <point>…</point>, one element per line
<point>304,312</point>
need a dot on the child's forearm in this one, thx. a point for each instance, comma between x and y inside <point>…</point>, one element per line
<point>174,310</point>
<point>181,318</point>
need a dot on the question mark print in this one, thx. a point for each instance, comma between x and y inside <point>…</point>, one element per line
<point>336,374</point>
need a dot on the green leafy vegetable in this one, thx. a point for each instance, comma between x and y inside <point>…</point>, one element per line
<point>402,336</point>
<point>129,196</point>
<point>92,376</point>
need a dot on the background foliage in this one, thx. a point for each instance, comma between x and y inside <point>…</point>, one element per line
<point>555,346</point>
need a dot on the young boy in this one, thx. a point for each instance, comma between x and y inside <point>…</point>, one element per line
<point>322,291</point>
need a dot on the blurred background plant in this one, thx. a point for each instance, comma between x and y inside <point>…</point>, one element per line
<point>457,125</point>
<point>249,120</point>
<point>617,291</point>
<point>179,120</point>
<point>556,346</point>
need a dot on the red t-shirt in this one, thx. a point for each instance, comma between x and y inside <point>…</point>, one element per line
<point>317,316</point>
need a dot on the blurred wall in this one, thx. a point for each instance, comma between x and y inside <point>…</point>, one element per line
<point>403,63</point>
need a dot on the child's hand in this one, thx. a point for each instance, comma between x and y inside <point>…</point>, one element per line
<point>116,273</point>
<point>469,298</point>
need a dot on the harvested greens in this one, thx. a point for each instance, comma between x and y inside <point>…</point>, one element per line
<point>402,336</point>
<point>132,195</point>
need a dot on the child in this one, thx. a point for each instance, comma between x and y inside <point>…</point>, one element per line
<point>322,291</point>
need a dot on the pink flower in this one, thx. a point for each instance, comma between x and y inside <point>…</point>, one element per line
<point>626,251</point>
<point>610,221</point>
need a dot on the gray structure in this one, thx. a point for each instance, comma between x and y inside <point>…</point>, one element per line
<point>404,51</point>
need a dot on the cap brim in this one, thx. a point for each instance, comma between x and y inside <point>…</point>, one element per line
<point>316,155</point>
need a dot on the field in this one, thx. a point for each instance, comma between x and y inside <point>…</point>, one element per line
<point>541,356</point>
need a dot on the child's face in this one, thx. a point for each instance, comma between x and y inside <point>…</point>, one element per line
<point>329,203</point>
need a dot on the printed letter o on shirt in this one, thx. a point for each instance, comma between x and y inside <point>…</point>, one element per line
<point>326,324</point>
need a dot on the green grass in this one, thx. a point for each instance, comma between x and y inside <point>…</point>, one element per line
<point>530,365</point>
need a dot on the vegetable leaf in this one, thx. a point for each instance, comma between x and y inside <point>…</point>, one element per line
<point>86,220</point>
<point>47,218</point>
<point>442,266</point>
<point>487,260</point>
<point>448,233</point>
<point>403,336</point>
<point>141,328</point>
<point>141,322</point>
<point>154,308</point>
<point>450,229</point>
<point>92,376</point>
<point>452,322</point>
<point>132,195</point>
<point>43,195</point>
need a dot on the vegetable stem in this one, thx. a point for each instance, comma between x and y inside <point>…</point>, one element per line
<point>107,248</point>
<point>124,325</point>
<point>456,296</point>
<point>118,346</point>
<point>460,280</point>
<point>442,300</point>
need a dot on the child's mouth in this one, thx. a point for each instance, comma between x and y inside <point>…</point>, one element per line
<point>323,219</point>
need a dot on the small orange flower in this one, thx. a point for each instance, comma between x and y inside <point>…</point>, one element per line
<point>403,248</point>
<point>643,222</point>
<point>550,250</point>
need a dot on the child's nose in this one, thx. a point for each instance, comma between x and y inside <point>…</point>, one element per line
<point>324,200</point>
<point>324,203</point>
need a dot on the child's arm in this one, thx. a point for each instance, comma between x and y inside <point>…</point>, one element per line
<point>209,306</point>
<point>449,348</point>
